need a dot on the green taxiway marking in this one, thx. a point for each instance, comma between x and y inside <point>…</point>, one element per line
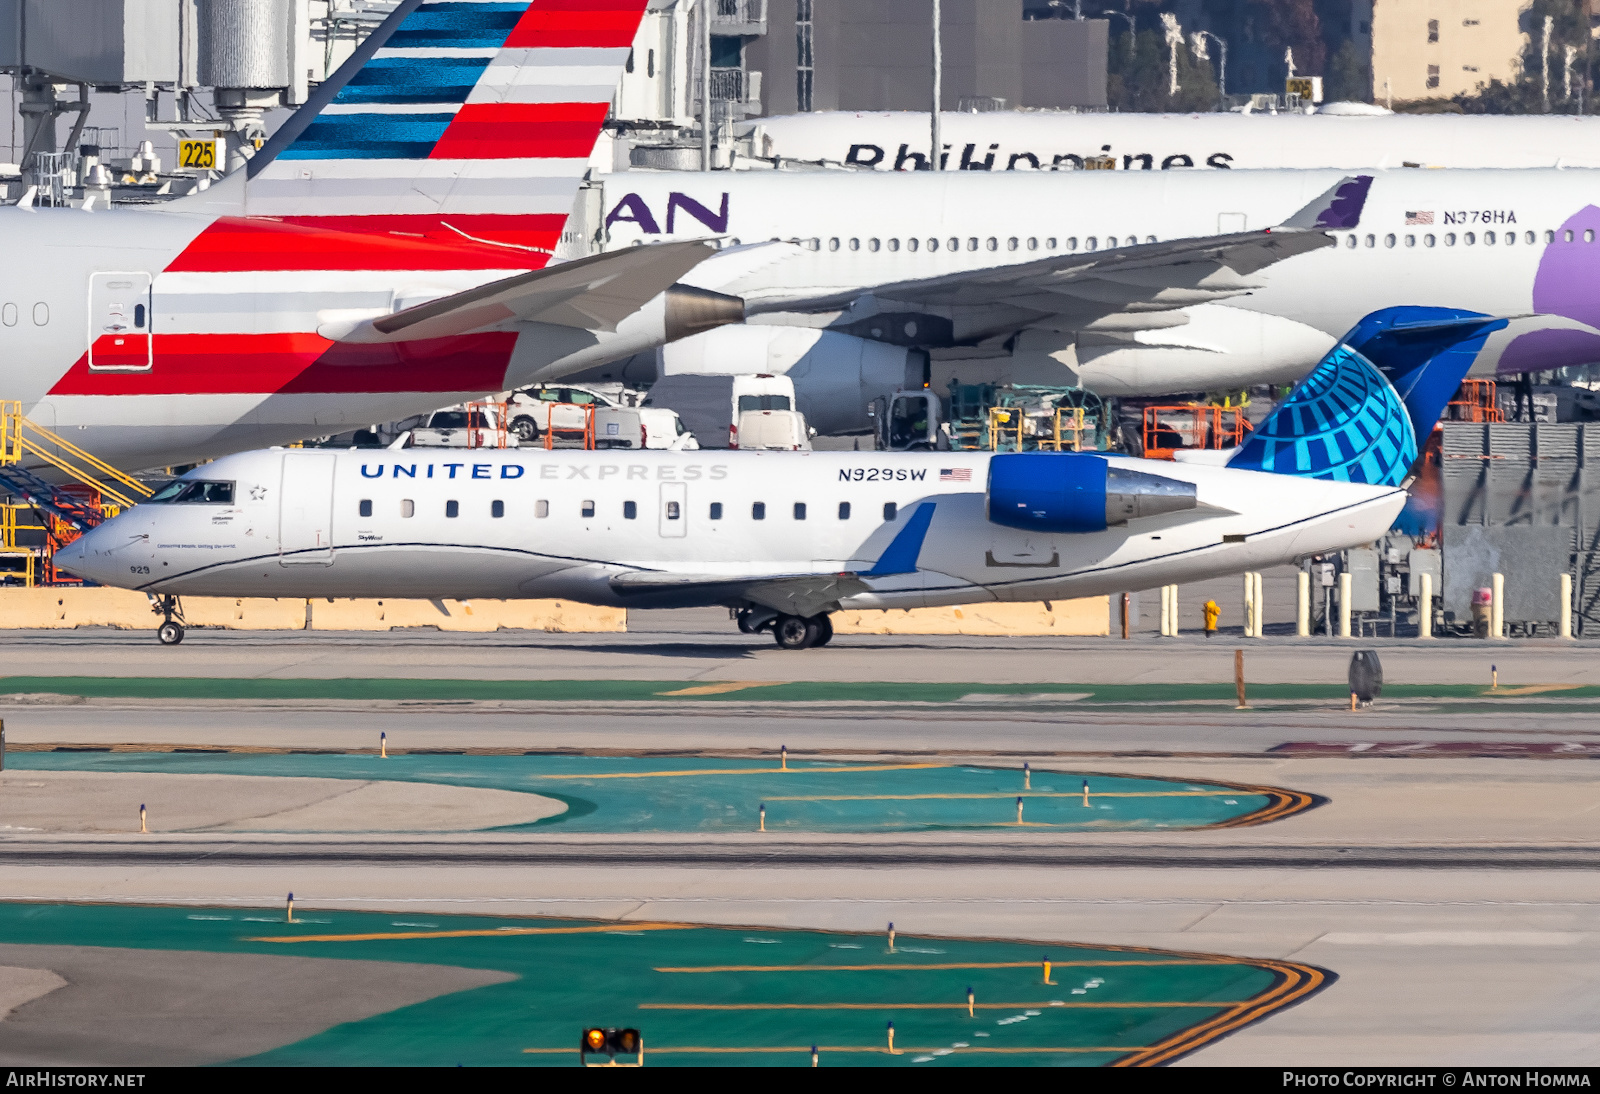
<point>573,973</point>
<point>688,794</point>
<point>675,691</point>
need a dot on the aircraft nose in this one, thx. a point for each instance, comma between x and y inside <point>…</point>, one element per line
<point>84,557</point>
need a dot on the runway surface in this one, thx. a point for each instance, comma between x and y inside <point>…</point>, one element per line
<point>1446,875</point>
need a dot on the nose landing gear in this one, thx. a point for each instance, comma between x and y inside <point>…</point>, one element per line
<point>170,632</point>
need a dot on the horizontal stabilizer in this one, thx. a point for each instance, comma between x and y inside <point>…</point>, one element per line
<point>594,293</point>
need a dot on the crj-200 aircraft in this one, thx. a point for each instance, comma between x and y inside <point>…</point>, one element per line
<point>1094,277</point>
<point>787,538</point>
<point>383,255</point>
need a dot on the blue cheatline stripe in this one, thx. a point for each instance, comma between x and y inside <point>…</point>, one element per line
<point>900,557</point>
<point>413,80</point>
<point>369,137</point>
<point>459,26</point>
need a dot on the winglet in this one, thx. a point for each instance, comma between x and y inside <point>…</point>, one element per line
<point>900,557</point>
<point>1339,209</point>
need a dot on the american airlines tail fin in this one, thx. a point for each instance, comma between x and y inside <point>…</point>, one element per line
<point>466,120</point>
<point>1360,414</point>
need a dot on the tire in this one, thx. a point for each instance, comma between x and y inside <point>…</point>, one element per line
<point>170,633</point>
<point>525,428</point>
<point>824,629</point>
<point>792,632</point>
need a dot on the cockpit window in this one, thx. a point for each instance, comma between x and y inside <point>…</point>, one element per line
<point>191,491</point>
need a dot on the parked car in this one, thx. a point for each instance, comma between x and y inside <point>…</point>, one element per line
<point>463,427</point>
<point>532,409</point>
<point>641,427</point>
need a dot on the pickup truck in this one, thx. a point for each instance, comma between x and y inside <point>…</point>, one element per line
<point>460,427</point>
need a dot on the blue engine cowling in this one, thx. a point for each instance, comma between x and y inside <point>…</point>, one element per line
<point>1074,492</point>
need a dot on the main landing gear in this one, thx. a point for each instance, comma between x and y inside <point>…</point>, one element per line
<point>170,632</point>
<point>792,632</point>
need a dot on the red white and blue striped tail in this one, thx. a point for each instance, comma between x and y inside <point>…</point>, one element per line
<point>455,120</point>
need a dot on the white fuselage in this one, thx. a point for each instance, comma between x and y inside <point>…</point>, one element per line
<point>365,523</point>
<point>1493,238</point>
<point>1048,139</point>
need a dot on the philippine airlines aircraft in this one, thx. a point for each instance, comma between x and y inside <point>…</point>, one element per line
<point>1347,136</point>
<point>1102,277</point>
<point>383,255</point>
<point>789,537</point>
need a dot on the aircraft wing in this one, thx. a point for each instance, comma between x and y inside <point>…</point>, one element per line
<point>792,594</point>
<point>593,293</point>
<point>1084,286</point>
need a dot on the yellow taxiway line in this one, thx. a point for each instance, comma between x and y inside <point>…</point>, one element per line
<point>933,967</point>
<point>744,771</point>
<point>1114,1005</point>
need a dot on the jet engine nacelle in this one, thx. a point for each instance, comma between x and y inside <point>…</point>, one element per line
<point>836,376</point>
<point>1072,492</point>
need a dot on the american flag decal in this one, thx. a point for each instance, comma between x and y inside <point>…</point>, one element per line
<point>1419,218</point>
<point>958,474</point>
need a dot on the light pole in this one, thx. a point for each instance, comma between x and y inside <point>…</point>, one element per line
<point>1132,27</point>
<point>938,79</point>
<point>1222,70</point>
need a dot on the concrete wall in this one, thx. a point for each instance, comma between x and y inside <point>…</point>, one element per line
<point>1088,616</point>
<point>55,609</point>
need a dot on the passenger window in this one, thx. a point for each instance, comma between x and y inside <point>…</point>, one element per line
<point>1149,239</point>
<point>1012,243</point>
<point>911,244</point>
<point>1111,241</point>
<point>1072,243</point>
<point>580,398</point>
<point>8,315</point>
<point>833,244</point>
<point>953,243</point>
<point>1091,244</point>
<point>673,510</point>
<point>716,510</point>
<point>1428,240</point>
<point>933,244</point>
<point>541,508</point>
<point>992,243</point>
<point>41,314</point>
<point>972,243</point>
<point>758,511</point>
<point>799,510</point>
<point>1549,237</point>
<point>1372,241</point>
<point>630,510</point>
<point>138,313</point>
<point>1568,235</point>
<point>366,507</point>
<point>1450,239</point>
<point>1588,235</point>
<point>1388,240</point>
<point>452,508</point>
<point>497,509</point>
<point>1050,244</point>
<point>855,244</point>
<point>894,244</point>
<point>813,244</point>
<point>408,508</point>
<point>844,510</point>
<point>872,244</point>
<point>1033,243</point>
<point>1350,243</point>
<point>890,509</point>
<point>1411,241</point>
<point>588,509</point>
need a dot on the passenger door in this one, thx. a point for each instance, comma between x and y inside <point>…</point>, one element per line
<point>674,509</point>
<point>305,508</point>
<point>119,322</point>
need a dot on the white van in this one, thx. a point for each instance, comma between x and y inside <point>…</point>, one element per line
<point>713,408</point>
<point>641,427</point>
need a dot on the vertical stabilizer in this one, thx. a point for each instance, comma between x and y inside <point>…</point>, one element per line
<point>1360,414</point>
<point>456,120</point>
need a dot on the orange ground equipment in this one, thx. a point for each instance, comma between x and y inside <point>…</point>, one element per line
<point>1169,429</point>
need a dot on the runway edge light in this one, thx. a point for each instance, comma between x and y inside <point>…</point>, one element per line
<point>610,1041</point>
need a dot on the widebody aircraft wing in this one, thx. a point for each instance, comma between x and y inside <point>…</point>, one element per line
<point>593,293</point>
<point>1076,291</point>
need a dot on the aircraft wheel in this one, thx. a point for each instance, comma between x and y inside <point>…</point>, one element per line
<point>794,633</point>
<point>170,633</point>
<point>824,624</point>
